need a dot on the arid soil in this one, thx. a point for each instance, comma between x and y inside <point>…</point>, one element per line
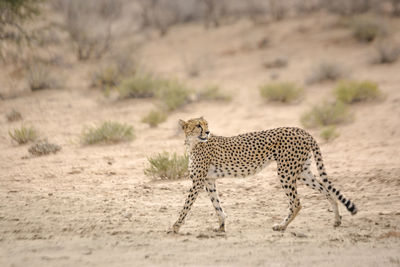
<point>94,206</point>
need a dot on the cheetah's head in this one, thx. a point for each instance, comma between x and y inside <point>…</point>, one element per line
<point>196,129</point>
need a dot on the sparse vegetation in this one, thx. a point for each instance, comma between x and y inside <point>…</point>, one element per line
<point>43,147</point>
<point>12,14</point>
<point>39,77</point>
<point>367,29</point>
<point>329,133</point>
<point>279,62</point>
<point>167,167</point>
<point>352,91</point>
<point>213,93</point>
<point>23,135</point>
<point>89,25</point>
<point>325,71</point>
<point>387,52</point>
<point>112,72</point>
<point>106,78</point>
<point>173,94</point>
<point>138,86</point>
<point>108,132</point>
<point>284,92</point>
<point>154,118</point>
<point>326,114</point>
<point>13,115</point>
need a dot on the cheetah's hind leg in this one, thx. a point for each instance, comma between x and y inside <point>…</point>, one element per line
<point>288,182</point>
<point>309,179</point>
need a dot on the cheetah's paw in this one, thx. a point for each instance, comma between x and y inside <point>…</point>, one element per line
<point>278,227</point>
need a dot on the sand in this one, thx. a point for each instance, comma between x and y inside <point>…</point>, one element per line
<point>94,206</point>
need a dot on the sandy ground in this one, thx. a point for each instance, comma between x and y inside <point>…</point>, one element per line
<point>93,206</point>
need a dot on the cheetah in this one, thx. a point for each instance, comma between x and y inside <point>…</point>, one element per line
<point>212,157</point>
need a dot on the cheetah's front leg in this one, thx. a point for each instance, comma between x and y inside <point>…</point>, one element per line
<point>193,193</point>
<point>212,192</point>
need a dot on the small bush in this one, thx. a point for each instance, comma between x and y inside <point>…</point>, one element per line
<point>154,118</point>
<point>329,133</point>
<point>108,132</point>
<point>281,92</point>
<point>173,94</point>
<point>24,135</point>
<point>351,92</point>
<point>39,78</point>
<point>138,86</point>
<point>167,167</point>
<point>325,71</point>
<point>13,115</point>
<point>110,74</point>
<point>213,93</point>
<point>43,147</point>
<point>279,62</point>
<point>105,78</point>
<point>367,29</point>
<point>387,52</point>
<point>326,114</point>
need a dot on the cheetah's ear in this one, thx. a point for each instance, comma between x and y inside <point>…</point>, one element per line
<point>183,124</point>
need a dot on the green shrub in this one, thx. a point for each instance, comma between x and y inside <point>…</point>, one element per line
<point>281,92</point>
<point>108,132</point>
<point>43,147</point>
<point>329,133</point>
<point>154,118</point>
<point>24,135</point>
<point>13,115</point>
<point>138,86</point>
<point>173,94</point>
<point>325,71</point>
<point>367,29</point>
<point>351,91</point>
<point>326,114</point>
<point>213,93</point>
<point>167,167</point>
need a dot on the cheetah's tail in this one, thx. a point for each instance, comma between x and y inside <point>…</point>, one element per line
<point>350,206</point>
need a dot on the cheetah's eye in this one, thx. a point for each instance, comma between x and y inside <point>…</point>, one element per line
<point>198,125</point>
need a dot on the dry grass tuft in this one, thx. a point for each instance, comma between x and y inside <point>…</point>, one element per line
<point>43,147</point>
<point>367,28</point>
<point>39,77</point>
<point>23,135</point>
<point>352,91</point>
<point>13,115</point>
<point>325,71</point>
<point>326,114</point>
<point>167,167</point>
<point>386,52</point>
<point>281,92</point>
<point>154,118</point>
<point>108,132</point>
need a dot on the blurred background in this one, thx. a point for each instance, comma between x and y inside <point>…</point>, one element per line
<point>91,92</point>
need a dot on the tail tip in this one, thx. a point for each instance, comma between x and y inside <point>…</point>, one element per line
<point>353,210</point>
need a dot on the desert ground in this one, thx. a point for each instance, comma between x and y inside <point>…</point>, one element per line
<point>94,206</point>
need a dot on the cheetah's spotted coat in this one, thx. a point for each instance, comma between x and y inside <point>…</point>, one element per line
<point>212,157</point>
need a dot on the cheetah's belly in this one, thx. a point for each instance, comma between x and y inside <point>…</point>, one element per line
<point>231,170</point>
